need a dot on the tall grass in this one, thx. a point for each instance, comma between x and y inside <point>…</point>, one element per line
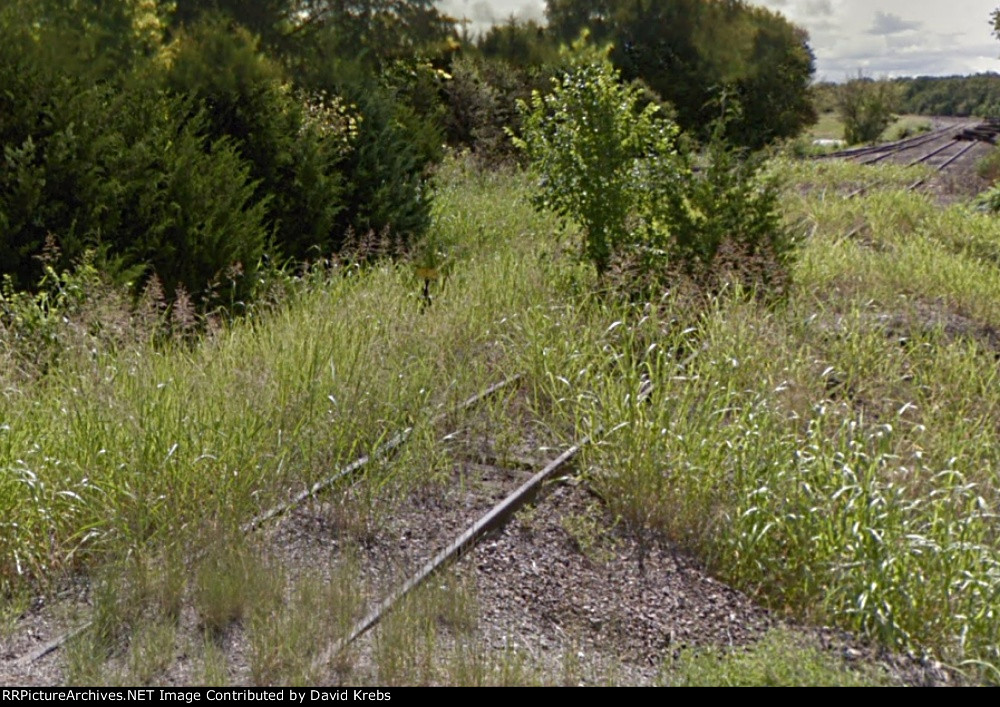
<point>119,448</point>
<point>835,455</point>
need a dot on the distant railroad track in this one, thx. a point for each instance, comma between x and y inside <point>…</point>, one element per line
<point>939,149</point>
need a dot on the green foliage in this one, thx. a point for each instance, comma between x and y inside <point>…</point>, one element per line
<point>976,95</point>
<point>988,166</point>
<point>196,157</point>
<point>118,168</point>
<point>989,200</point>
<point>600,159</point>
<point>867,108</point>
<point>824,95</point>
<point>481,104</point>
<point>31,323</point>
<point>373,33</point>
<point>293,144</point>
<point>124,172</point>
<point>522,45</point>
<point>780,659</point>
<point>388,188</point>
<point>908,127</point>
<point>267,19</point>
<point>690,51</point>
<point>773,89</point>
<point>96,38</point>
<point>618,173</point>
<point>392,149</point>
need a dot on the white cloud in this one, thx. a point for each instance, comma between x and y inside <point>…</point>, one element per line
<point>896,37</point>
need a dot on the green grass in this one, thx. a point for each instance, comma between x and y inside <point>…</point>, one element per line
<point>831,127</point>
<point>834,454</point>
<point>122,448</point>
<point>837,470</point>
<point>780,659</point>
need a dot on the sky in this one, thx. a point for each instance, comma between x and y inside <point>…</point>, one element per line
<point>877,37</point>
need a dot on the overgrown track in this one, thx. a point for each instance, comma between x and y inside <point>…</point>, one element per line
<point>519,489</point>
<point>940,150</point>
<point>493,520</point>
<point>381,451</point>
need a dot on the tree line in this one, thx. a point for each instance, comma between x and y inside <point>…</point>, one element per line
<point>200,139</point>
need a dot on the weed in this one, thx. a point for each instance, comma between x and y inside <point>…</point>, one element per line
<point>409,638</point>
<point>228,583</point>
<point>151,652</point>
<point>288,632</point>
<point>589,535</point>
<point>214,670</point>
<point>780,659</point>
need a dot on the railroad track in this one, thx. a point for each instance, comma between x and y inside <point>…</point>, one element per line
<point>339,475</point>
<point>868,153</point>
<point>494,519</point>
<point>916,149</point>
<point>939,150</point>
<point>519,486</point>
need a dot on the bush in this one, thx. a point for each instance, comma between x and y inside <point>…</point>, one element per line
<point>293,144</point>
<point>385,173</point>
<point>599,158</point>
<point>117,167</point>
<point>989,200</point>
<point>866,107</point>
<point>988,166</point>
<point>625,178</point>
<point>481,100</point>
<point>123,172</point>
<point>910,128</point>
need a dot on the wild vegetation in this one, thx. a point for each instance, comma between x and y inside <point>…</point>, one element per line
<point>820,430</point>
<point>866,108</point>
<point>977,95</point>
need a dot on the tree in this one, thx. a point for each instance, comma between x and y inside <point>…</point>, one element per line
<point>269,19</point>
<point>618,171</point>
<point>522,45</point>
<point>375,32</point>
<point>774,91</point>
<point>693,52</point>
<point>866,108</point>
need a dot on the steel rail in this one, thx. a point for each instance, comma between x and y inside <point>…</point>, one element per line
<point>903,148</point>
<point>380,452</point>
<point>851,153</point>
<point>494,519</point>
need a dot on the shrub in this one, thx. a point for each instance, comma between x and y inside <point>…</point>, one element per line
<point>481,100</point>
<point>392,148</point>
<point>293,144</point>
<point>600,159</point>
<point>123,172</point>
<point>866,107</point>
<point>989,200</point>
<point>625,177</point>
<point>386,172</point>
<point>988,167</point>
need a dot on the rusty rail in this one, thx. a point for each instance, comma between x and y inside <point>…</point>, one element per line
<point>494,519</point>
<point>380,452</point>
